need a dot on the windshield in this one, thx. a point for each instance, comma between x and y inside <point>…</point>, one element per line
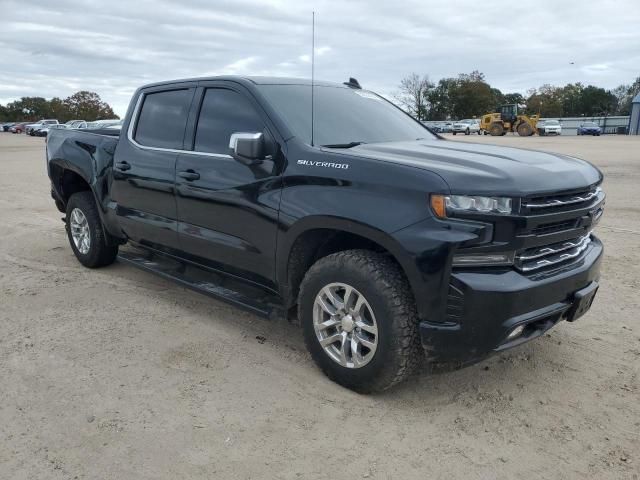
<point>552,122</point>
<point>342,116</point>
<point>589,124</point>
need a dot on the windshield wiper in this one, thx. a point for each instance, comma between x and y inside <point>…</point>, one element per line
<point>343,145</point>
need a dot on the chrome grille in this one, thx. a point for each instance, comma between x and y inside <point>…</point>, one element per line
<point>540,257</point>
<point>541,205</point>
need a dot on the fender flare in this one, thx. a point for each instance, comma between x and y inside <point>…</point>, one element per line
<point>287,239</point>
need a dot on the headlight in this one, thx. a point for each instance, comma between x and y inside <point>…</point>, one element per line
<point>444,205</point>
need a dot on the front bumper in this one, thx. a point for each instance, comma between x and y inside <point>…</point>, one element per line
<point>489,303</point>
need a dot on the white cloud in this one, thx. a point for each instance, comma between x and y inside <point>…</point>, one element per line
<point>55,48</point>
<point>240,67</point>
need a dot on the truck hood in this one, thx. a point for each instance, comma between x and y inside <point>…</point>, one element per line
<point>475,168</point>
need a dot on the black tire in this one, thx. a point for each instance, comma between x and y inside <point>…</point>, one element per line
<point>524,130</point>
<point>454,132</point>
<point>467,132</point>
<point>479,132</point>
<point>100,253</point>
<point>380,280</point>
<point>496,129</point>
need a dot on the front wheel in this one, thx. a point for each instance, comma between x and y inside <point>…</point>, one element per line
<point>454,133</point>
<point>467,132</point>
<point>359,320</point>
<point>86,233</point>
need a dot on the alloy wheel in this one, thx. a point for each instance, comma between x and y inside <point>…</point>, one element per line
<point>345,325</point>
<point>80,231</point>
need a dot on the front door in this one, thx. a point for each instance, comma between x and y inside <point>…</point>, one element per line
<point>144,169</point>
<point>227,211</point>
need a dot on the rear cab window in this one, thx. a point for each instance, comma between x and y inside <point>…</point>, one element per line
<point>162,118</point>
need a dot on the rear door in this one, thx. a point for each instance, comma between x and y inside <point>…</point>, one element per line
<point>227,211</point>
<point>145,162</point>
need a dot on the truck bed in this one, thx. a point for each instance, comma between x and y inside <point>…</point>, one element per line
<point>88,153</point>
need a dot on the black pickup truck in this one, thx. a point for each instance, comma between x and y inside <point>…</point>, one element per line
<point>385,240</point>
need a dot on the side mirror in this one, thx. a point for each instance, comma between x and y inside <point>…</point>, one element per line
<point>247,148</point>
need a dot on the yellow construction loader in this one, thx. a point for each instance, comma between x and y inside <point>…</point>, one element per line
<point>508,120</point>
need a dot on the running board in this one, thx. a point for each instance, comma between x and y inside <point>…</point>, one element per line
<point>212,283</point>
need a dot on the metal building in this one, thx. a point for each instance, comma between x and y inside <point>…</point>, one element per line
<point>634,119</point>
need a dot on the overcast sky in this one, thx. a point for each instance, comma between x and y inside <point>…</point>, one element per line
<point>54,48</point>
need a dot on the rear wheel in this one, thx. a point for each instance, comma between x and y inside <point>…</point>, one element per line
<point>454,132</point>
<point>359,320</point>
<point>524,130</point>
<point>479,132</point>
<point>86,233</point>
<point>496,129</point>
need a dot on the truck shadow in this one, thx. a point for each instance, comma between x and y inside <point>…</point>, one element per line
<point>431,385</point>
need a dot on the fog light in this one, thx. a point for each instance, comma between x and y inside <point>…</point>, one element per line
<point>482,259</point>
<point>516,332</point>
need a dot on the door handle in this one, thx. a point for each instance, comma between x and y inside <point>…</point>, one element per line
<point>189,175</point>
<point>123,166</point>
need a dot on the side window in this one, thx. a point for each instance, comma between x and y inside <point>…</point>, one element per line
<point>224,112</point>
<point>163,118</point>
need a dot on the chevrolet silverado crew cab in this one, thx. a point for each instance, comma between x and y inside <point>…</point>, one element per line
<point>385,241</point>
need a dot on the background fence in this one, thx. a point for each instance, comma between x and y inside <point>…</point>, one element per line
<point>613,125</point>
<point>609,125</point>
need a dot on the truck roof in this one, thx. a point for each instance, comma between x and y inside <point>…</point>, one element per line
<point>256,80</point>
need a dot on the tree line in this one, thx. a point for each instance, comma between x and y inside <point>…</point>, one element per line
<point>81,105</point>
<point>470,95</point>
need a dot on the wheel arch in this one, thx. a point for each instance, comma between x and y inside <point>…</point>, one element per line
<point>67,180</point>
<point>313,238</point>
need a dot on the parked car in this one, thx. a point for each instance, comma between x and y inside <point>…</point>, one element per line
<point>381,236</point>
<point>7,126</point>
<point>549,127</point>
<point>442,127</point>
<point>32,126</point>
<point>19,127</point>
<point>434,126</point>
<point>76,124</point>
<point>447,127</point>
<point>467,126</point>
<point>44,130</point>
<point>589,128</point>
<point>98,124</point>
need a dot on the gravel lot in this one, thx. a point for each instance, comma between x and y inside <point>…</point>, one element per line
<point>118,374</point>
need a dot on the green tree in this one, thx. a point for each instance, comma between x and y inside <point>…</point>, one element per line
<point>472,96</point>
<point>88,106</point>
<point>597,101</point>
<point>439,98</point>
<point>624,95</point>
<point>84,105</point>
<point>511,98</point>
<point>547,101</point>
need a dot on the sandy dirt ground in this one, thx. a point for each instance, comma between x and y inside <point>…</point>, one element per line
<point>118,374</point>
